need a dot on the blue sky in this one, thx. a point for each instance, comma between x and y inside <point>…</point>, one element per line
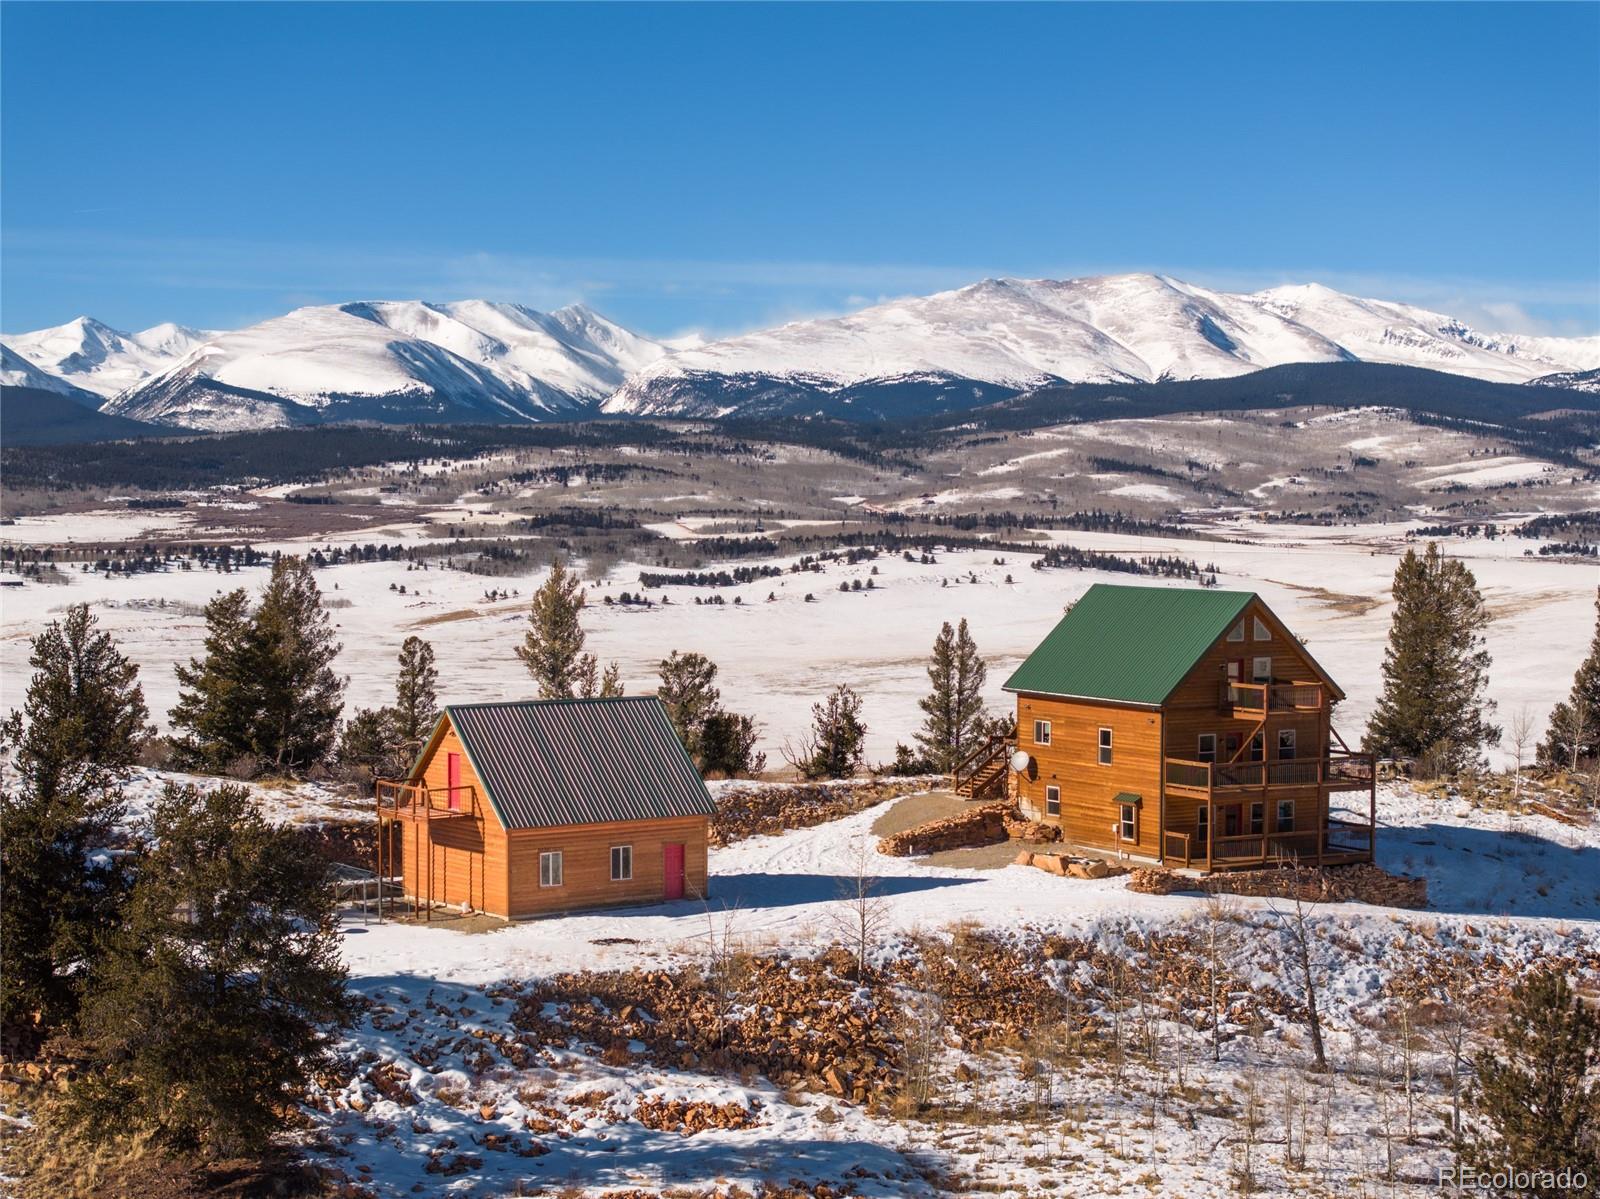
<point>722,167</point>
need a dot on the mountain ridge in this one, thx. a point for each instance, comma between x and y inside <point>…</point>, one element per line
<point>415,361</point>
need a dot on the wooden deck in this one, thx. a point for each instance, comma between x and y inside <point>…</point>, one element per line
<point>1339,771</point>
<point>1341,843</point>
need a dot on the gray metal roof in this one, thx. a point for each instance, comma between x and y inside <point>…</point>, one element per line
<point>580,761</point>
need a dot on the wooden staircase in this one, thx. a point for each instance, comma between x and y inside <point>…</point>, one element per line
<point>982,773</point>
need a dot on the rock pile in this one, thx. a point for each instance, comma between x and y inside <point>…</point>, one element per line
<point>758,811</point>
<point>1064,866</point>
<point>1036,831</point>
<point>681,1115</point>
<point>802,1022</point>
<point>1360,883</point>
<point>982,825</point>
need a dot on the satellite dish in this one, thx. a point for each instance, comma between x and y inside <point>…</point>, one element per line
<point>1020,760</point>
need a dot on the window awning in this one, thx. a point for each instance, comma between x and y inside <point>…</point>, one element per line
<point>1129,797</point>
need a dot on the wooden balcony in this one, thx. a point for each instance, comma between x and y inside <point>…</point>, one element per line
<point>400,800</point>
<point>1339,771</point>
<point>1256,701</point>
<point>1340,843</point>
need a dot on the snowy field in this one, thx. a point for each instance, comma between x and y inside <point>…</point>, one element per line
<point>777,657</point>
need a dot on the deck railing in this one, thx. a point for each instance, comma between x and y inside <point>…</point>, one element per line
<point>1343,841</point>
<point>1243,698</point>
<point>1340,771</point>
<point>401,800</point>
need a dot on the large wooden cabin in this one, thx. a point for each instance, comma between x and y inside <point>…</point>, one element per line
<point>520,809</point>
<point>1184,726</point>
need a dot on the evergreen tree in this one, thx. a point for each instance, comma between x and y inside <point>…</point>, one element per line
<point>82,724</point>
<point>211,1008</point>
<point>213,717</point>
<point>291,653</point>
<point>593,683</point>
<point>416,700</point>
<point>84,711</point>
<point>838,735</point>
<point>370,743</point>
<point>689,693</point>
<point>728,746</point>
<point>266,688</point>
<point>552,648</point>
<point>1436,668</point>
<point>1575,723</point>
<point>954,706</point>
<point>1537,1088</point>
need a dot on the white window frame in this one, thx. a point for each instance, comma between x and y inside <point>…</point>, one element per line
<point>626,860</point>
<point>1279,824</point>
<point>1105,746</point>
<point>1259,630</point>
<point>1200,747</point>
<point>1041,726</point>
<point>1128,817</point>
<point>1237,632</point>
<point>1290,746</point>
<point>550,868</point>
<point>1052,800</point>
<point>1257,674</point>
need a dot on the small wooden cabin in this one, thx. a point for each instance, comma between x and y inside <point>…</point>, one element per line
<point>521,809</point>
<point>1183,726</point>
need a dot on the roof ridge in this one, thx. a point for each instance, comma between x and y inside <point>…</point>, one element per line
<point>539,703</point>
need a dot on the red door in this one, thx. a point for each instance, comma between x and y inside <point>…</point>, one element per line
<point>452,779</point>
<point>672,871</point>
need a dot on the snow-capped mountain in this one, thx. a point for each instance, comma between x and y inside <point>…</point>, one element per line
<point>98,358</point>
<point>1009,335</point>
<point>17,371</point>
<point>395,361</point>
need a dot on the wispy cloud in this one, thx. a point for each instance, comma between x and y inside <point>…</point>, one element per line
<point>238,280</point>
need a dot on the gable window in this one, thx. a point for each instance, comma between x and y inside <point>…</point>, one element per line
<point>1258,747</point>
<point>1207,751</point>
<point>1258,818</point>
<point>1237,632</point>
<point>550,868</point>
<point>1041,732</point>
<point>1105,747</point>
<point>621,863</point>
<point>1261,670</point>
<point>1052,801</point>
<point>1285,815</point>
<point>1260,632</point>
<point>1128,821</point>
<point>1285,745</point>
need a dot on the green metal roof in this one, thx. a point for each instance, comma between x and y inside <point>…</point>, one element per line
<point>1129,644</point>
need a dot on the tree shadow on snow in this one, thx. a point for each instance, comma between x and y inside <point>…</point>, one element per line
<point>754,891</point>
<point>1487,872</point>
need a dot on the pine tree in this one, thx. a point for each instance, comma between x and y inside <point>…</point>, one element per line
<point>1435,670</point>
<point>214,1002</point>
<point>82,724</point>
<point>266,689</point>
<point>593,683</point>
<point>1537,1091</point>
<point>84,711</point>
<point>370,744</point>
<point>291,651</point>
<point>213,717</point>
<point>416,700</point>
<point>1575,722</point>
<point>728,746</point>
<point>954,707</point>
<point>552,648</point>
<point>689,693</point>
<point>838,735</point>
